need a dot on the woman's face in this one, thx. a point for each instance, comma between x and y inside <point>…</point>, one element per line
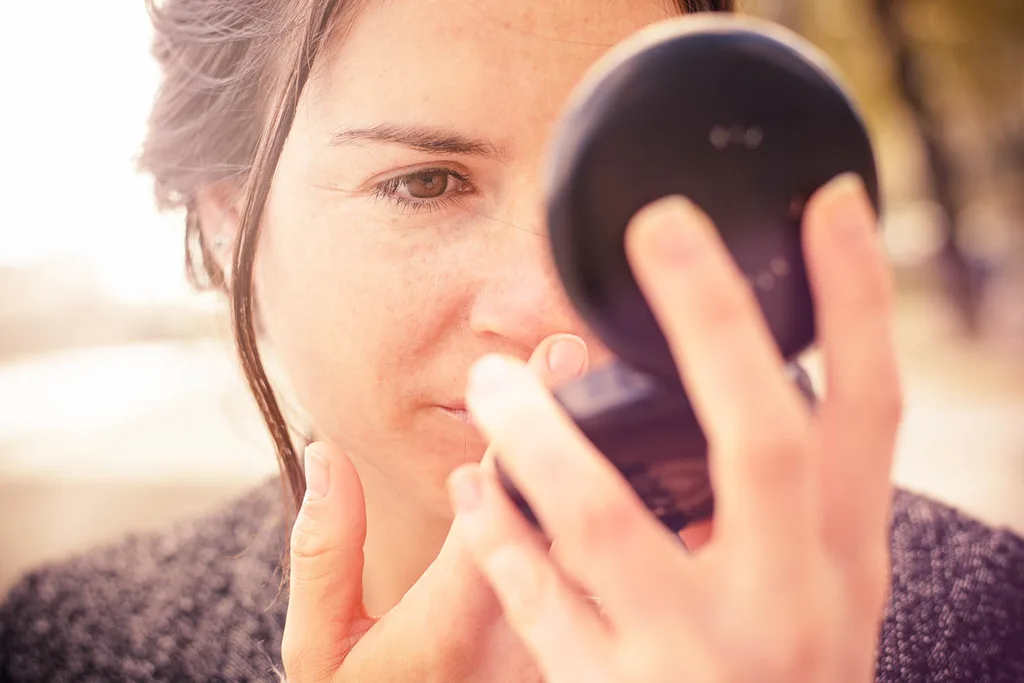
<point>405,233</point>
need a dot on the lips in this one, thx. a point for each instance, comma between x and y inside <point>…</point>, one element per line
<point>458,412</point>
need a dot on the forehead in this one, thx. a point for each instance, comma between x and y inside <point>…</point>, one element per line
<point>479,63</point>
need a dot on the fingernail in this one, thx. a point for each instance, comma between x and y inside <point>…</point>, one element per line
<point>850,205</point>
<point>318,474</point>
<point>567,356</point>
<point>466,489</point>
<point>676,231</point>
<point>846,184</point>
<point>489,375</point>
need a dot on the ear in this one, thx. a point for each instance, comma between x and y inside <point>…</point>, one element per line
<point>219,214</point>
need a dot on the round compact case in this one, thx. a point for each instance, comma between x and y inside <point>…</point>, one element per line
<point>745,119</point>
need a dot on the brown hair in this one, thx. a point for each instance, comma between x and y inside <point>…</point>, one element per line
<point>233,72</point>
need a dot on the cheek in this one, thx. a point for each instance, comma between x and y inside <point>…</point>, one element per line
<point>354,310</point>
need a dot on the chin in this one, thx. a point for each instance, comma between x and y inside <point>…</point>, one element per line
<point>445,456</point>
<point>462,446</point>
<point>458,436</point>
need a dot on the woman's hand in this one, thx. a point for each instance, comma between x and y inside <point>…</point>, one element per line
<point>449,626</point>
<point>792,585</point>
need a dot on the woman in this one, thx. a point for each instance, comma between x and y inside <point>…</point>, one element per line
<point>360,179</point>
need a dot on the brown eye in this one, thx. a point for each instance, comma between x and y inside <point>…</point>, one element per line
<point>428,185</point>
<point>428,189</point>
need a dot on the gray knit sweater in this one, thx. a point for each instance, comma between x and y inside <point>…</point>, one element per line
<point>201,603</point>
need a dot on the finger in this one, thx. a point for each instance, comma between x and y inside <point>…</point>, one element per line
<point>557,359</point>
<point>607,540</point>
<point>325,606</point>
<point>454,598</point>
<point>758,427</point>
<point>452,595</point>
<point>860,415</point>
<point>561,629</point>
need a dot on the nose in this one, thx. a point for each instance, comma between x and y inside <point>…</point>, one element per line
<point>519,298</point>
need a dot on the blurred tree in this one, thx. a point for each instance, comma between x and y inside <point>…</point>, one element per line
<point>961,70</point>
<point>953,70</point>
<point>897,36</point>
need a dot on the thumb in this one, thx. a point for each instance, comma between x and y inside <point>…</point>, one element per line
<point>557,359</point>
<point>326,615</point>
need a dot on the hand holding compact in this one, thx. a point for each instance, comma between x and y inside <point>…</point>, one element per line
<point>706,301</point>
<point>792,585</point>
<point>747,121</point>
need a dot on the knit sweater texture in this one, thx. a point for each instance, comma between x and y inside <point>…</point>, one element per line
<point>202,602</point>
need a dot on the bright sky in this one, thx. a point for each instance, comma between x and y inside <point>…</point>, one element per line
<point>78,81</point>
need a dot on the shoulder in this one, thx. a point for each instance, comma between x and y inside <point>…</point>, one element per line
<point>199,601</point>
<point>957,607</point>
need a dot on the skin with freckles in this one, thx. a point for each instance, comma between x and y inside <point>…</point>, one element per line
<point>404,239</point>
<point>376,304</point>
<point>792,585</point>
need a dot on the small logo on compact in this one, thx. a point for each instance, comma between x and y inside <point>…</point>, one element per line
<point>765,279</point>
<point>722,137</point>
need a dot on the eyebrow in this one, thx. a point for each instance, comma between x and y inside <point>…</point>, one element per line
<point>423,138</point>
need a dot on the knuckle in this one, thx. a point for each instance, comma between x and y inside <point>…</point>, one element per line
<point>726,309</point>
<point>313,557</point>
<point>889,405</point>
<point>871,294</point>
<point>870,298</point>
<point>308,538</point>
<point>875,398</point>
<point>799,654</point>
<point>456,654</point>
<point>602,525</point>
<point>524,586</point>
<point>793,648</point>
<point>779,449</point>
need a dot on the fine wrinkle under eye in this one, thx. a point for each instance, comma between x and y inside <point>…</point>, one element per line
<point>510,225</point>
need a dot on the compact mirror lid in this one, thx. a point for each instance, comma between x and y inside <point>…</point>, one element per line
<point>742,117</point>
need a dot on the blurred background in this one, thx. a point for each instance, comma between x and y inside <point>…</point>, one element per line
<point>121,404</point>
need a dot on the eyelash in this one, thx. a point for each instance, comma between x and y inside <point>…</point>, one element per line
<point>388,189</point>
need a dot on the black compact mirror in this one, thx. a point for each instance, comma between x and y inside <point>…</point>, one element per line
<point>747,120</point>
